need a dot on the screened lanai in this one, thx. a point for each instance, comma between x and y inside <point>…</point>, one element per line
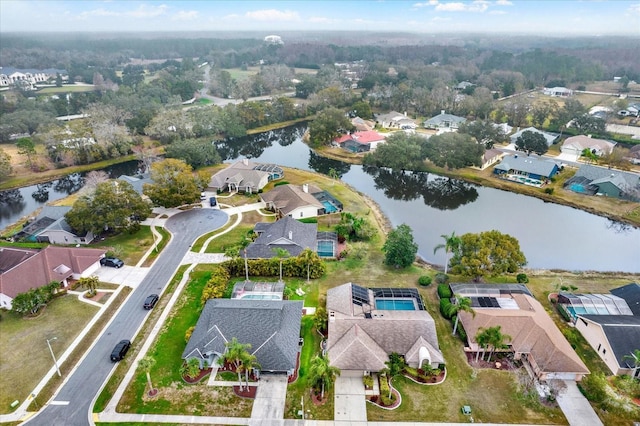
<point>593,304</point>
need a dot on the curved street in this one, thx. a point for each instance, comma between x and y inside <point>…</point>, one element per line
<point>72,404</point>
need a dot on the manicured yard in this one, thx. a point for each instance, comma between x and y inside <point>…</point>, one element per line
<point>128,247</point>
<point>24,365</point>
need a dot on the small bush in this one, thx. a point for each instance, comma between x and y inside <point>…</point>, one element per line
<point>563,313</point>
<point>548,190</point>
<point>367,381</point>
<point>384,386</point>
<point>461,332</point>
<point>424,280</point>
<point>444,292</point>
<point>282,182</point>
<point>442,278</point>
<point>444,307</point>
<point>522,278</point>
<point>188,333</point>
<point>594,387</point>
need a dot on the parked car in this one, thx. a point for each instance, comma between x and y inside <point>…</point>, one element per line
<point>203,196</point>
<point>120,350</point>
<point>213,202</point>
<point>150,301</point>
<point>114,262</point>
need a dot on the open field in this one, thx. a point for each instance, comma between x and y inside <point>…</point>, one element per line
<point>66,89</point>
<point>24,343</point>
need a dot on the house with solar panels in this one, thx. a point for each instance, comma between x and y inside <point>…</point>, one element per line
<point>535,340</point>
<point>368,324</point>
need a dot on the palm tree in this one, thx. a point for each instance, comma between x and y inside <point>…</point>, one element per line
<point>333,174</point>
<point>463,304</point>
<point>249,363</point>
<point>146,364</point>
<point>451,245</point>
<point>496,339</point>
<point>321,373</point>
<point>236,354</point>
<point>635,358</point>
<point>482,339</point>
<point>191,369</point>
<point>308,256</point>
<point>281,254</point>
<point>395,365</point>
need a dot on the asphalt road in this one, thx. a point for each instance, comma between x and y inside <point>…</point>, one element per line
<point>71,406</point>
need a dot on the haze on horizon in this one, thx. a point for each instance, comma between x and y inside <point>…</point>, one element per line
<point>422,16</point>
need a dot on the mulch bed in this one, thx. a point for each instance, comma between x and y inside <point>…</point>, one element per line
<point>431,379</point>
<point>378,401</point>
<point>203,373</point>
<point>505,364</point>
<point>315,398</point>
<point>294,376</point>
<point>249,392</point>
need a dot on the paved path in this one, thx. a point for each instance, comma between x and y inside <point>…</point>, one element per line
<point>268,406</point>
<point>131,276</point>
<point>350,403</point>
<point>575,406</point>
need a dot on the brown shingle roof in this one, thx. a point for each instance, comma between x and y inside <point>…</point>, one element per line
<point>287,198</point>
<point>532,331</point>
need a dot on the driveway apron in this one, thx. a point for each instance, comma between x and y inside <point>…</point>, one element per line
<point>268,407</point>
<point>350,404</point>
<point>575,406</point>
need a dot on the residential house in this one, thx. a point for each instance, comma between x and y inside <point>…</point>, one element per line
<point>291,235</point>
<point>300,201</point>
<point>490,157</point>
<point>137,182</point>
<point>245,176</point>
<point>634,155</point>
<point>368,324</point>
<point>271,327</point>
<point>50,226</point>
<point>463,85</point>
<point>30,77</point>
<point>22,269</point>
<point>395,120</point>
<point>576,144</point>
<point>614,338</point>
<point>526,169</point>
<point>444,122</point>
<point>360,141</point>
<point>534,338</point>
<point>557,91</point>
<point>504,127</point>
<point>362,125</point>
<point>594,180</point>
<point>631,294</point>
<point>634,109</point>
<point>548,137</point>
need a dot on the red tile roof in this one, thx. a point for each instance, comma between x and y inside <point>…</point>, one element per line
<point>365,137</point>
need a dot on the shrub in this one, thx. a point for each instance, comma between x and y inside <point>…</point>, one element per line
<point>548,190</point>
<point>563,313</point>
<point>424,280</point>
<point>444,308</point>
<point>522,278</point>
<point>442,278</point>
<point>461,332</point>
<point>386,401</point>
<point>444,292</point>
<point>384,386</point>
<point>282,182</point>
<point>594,387</point>
<point>367,381</point>
<point>188,333</point>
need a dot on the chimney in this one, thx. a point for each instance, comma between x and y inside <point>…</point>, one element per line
<point>245,161</point>
<point>405,113</point>
<point>305,188</point>
<point>589,136</point>
<point>441,111</point>
<point>291,235</point>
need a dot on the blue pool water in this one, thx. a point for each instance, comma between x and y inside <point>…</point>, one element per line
<point>259,296</point>
<point>329,207</point>
<point>395,305</point>
<point>576,187</point>
<point>325,249</point>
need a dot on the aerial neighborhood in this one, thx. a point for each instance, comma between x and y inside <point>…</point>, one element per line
<point>244,230</point>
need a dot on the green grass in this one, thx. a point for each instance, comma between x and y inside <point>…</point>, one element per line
<point>24,365</point>
<point>65,89</point>
<point>129,247</point>
<point>175,396</point>
<point>166,236</point>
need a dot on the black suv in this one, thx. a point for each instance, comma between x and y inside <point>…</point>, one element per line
<point>114,262</point>
<point>120,350</point>
<point>150,301</point>
<point>213,202</point>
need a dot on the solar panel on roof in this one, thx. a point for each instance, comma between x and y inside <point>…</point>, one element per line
<point>359,295</point>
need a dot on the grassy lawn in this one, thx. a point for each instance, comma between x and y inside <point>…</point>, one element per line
<point>128,247</point>
<point>22,367</point>
<point>175,396</point>
<point>233,237</point>
<point>166,236</point>
<point>65,89</point>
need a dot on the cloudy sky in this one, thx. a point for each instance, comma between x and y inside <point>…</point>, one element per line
<point>515,16</point>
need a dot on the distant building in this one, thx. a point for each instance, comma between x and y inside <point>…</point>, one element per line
<point>10,76</point>
<point>273,39</point>
<point>562,92</point>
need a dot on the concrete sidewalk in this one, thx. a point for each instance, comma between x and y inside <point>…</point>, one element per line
<point>575,406</point>
<point>350,403</point>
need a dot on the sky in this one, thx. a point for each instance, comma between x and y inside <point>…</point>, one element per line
<point>550,17</point>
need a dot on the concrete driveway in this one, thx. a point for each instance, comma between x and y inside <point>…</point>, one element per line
<point>268,407</point>
<point>575,406</point>
<point>350,404</point>
<point>127,275</point>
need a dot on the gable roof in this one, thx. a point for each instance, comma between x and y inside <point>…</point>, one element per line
<point>363,138</point>
<point>527,164</point>
<point>582,142</point>
<point>363,342</point>
<point>137,182</point>
<point>49,264</point>
<point>623,334</point>
<point>244,173</point>
<point>631,294</point>
<point>625,181</point>
<point>287,198</point>
<point>443,117</point>
<point>549,137</point>
<point>532,331</point>
<point>271,327</point>
<point>287,233</point>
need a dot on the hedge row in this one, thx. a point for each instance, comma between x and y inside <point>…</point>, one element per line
<point>444,308</point>
<point>217,284</point>
<point>291,267</point>
<point>444,292</point>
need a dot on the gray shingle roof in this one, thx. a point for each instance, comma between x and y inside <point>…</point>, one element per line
<point>444,118</point>
<point>623,333</point>
<point>287,233</point>
<point>287,198</point>
<point>526,164</point>
<point>631,294</point>
<point>549,137</point>
<point>624,180</point>
<point>272,327</point>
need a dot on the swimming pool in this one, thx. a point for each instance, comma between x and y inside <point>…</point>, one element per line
<point>260,296</point>
<point>326,248</point>
<point>329,207</point>
<point>395,305</point>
